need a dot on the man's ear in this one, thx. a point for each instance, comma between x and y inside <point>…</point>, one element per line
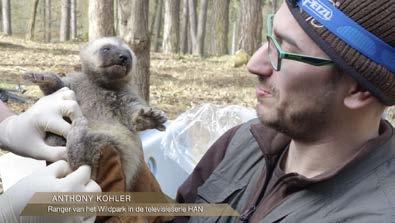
<point>357,97</point>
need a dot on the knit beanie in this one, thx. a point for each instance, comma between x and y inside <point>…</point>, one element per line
<point>375,16</point>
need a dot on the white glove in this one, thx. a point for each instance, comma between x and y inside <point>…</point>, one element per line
<point>56,177</point>
<point>24,134</point>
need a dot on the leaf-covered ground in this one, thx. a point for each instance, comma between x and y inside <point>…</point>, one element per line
<point>178,82</point>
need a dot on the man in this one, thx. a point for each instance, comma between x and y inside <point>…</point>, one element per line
<point>24,134</point>
<point>319,151</point>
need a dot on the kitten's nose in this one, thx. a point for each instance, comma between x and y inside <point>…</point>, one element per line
<point>123,58</point>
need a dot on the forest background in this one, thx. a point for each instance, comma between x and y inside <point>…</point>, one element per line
<point>190,51</point>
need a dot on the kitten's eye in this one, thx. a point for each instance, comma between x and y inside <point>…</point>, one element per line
<point>105,49</point>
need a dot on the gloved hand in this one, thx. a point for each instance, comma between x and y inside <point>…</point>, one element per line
<point>56,177</point>
<point>24,134</point>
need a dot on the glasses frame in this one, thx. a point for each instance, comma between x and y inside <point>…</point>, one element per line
<point>281,54</point>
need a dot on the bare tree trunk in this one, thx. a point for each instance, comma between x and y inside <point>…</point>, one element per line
<point>201,31</point>
<point>73,19</point>
<point>32,22</point>
<point>47,21</point>
<point>6,10</point>
<point>1,15</point>
<point>134,30</point>
<point>124,7</point>
<point>235,14</point>
<point>116,22</point>
<point>250,25</point>
<point>209,33</point>
<point>44,20</point>
<point>221,26</point>
<point>274,6</point>
<point>193,23</point>
<point>198,28</point>
<point>184,28</point>
<point>65,21</point>
<point>101,18</point>
<point>190,35</point>
<point>234,37</point>
<point>157,27</point>
<point>171,26</point>
<point>152,24</point>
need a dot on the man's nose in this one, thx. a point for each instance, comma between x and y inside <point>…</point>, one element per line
<point>259,64</point>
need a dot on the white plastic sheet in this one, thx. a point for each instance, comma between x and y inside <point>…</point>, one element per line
<point>190,135</point>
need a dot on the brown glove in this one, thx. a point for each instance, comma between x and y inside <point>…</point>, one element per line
<point>109,175</point>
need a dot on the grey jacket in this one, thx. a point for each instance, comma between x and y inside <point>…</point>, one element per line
<point>361,191</point>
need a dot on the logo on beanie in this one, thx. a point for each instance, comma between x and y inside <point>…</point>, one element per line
<point>318,8</point>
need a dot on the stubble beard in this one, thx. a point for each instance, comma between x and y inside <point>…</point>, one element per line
<point>303,123</point>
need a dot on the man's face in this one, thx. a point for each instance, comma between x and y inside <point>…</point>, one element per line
<point>300,99</point>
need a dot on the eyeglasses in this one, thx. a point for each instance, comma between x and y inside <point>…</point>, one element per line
<point>276,54</point>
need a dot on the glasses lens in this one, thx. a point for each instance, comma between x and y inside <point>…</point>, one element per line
<point>273,54</point>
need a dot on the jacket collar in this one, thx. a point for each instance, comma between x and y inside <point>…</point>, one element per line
<point>270,141</point>
<point>273,143</point>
